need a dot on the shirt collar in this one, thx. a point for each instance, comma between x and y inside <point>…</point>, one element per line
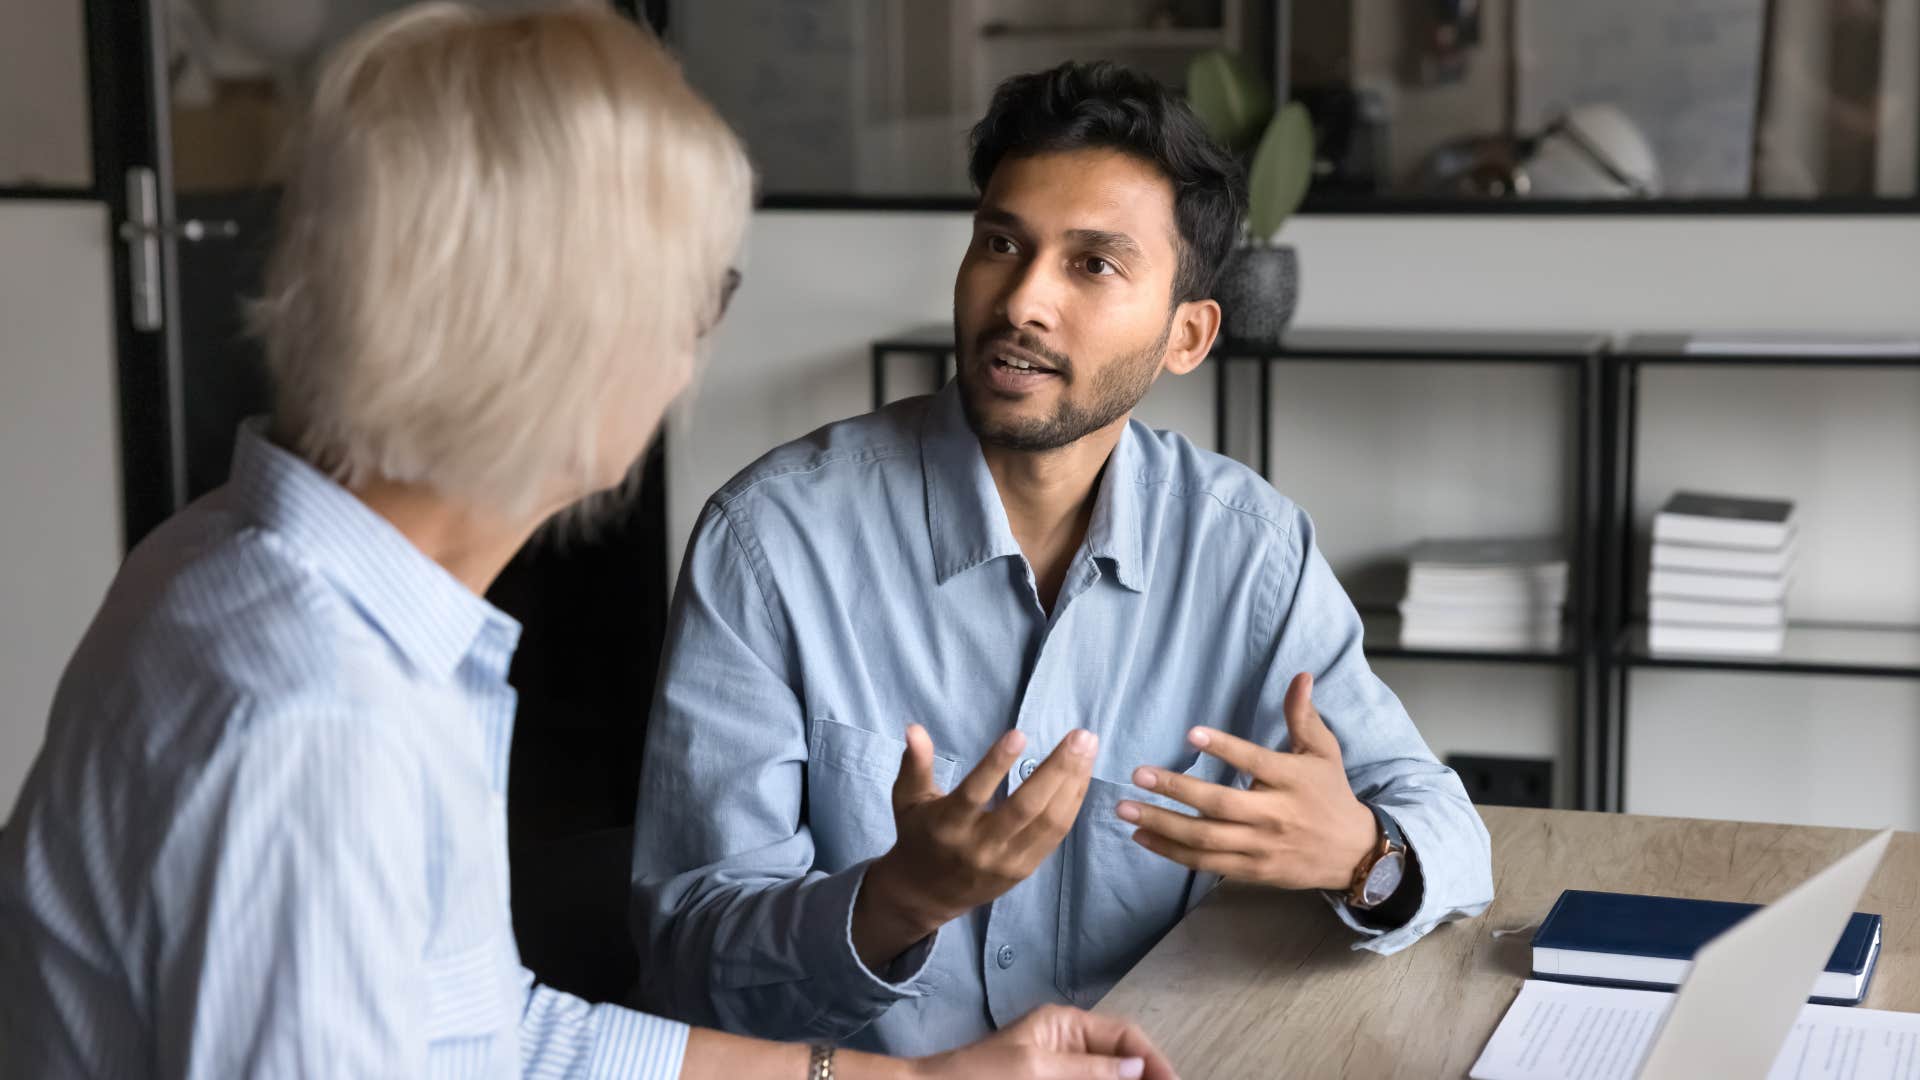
<point>428,615</point>
<point>965,518</point>
<point>1114,533</point>
<point>967,523</point>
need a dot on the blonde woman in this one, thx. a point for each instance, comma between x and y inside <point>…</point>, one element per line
<point>266,836</point>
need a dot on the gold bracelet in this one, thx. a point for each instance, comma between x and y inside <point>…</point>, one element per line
<point>820,1063</point>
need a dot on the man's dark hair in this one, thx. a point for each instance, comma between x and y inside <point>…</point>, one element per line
<point>1080,106</point>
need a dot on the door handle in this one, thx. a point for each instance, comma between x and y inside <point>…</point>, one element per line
<point>192,229</point>
<point>142,231</point>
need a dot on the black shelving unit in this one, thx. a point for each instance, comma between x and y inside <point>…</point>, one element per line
<point>930,350</point>
<point>1830,649</point>
<point>1580,353</point>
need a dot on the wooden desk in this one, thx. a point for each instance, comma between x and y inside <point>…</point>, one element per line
<point>1260,983</point>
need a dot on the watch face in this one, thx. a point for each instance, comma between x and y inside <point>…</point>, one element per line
<point>1384,878</point>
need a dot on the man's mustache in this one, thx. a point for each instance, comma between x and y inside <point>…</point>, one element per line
<point>1026,342</point>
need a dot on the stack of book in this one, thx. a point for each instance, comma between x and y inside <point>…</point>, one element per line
<point>1484,594</point>
<point>1721,567</point>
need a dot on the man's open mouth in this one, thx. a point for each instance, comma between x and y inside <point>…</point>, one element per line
<point>1017,359</point>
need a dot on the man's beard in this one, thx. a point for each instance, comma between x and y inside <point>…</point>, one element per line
<point>1113,394</point>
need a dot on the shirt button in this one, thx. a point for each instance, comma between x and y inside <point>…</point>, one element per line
<point>1026,769</point>
<point>1006,956</point>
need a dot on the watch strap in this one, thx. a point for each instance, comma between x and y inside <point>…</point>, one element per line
<point>1389,828</point>
<point>1389,841</point>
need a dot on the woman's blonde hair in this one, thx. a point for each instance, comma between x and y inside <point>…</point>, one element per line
<point>493,225</point>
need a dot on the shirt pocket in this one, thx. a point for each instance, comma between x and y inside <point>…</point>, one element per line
<point>1117,899</point>
<point>465,994</point>
<point>850,775</point>
<point>471,964</point>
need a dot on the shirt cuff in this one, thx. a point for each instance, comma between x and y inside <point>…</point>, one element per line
<point>636,1046</point>
<point>1389,940</point>
<point>866,991</point>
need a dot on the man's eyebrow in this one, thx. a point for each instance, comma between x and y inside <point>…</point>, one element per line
<point>1105,239</point>
<point>989,215</point>
<point>1117,242</point>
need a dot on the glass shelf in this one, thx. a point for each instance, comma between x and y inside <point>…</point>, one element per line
<point>1672,349</point>
<point>1383,642</point>
<point>1482,346</point>
<point>1811,649</point>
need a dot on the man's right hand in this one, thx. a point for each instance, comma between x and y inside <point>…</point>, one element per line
<point>950,852</point>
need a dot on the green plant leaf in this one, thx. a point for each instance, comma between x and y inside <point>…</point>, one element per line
<point>1230,101</point>
<point>1282,168</point>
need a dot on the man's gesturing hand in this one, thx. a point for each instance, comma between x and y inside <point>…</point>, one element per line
<point>1298,826</point>
<point>951,853</point>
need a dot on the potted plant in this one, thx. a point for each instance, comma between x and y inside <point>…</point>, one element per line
<point>1261,282</point>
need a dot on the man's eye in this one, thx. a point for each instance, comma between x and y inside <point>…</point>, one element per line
<point>1100,267</point>
<point>1000,245</point>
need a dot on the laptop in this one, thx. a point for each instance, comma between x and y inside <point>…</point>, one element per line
<point>1730,1018</point>
<point>1738,1005</point>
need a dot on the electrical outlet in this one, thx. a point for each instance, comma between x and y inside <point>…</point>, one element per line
<point>1505,781</point>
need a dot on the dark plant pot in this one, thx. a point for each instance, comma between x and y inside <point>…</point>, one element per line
<point>1258,289</point>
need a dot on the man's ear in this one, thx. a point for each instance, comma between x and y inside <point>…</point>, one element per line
<point>1195,324</point>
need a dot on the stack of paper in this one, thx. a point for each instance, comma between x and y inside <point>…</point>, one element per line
<point>1484,594</point>
<point>1556,1030</point>
<point>1721,568</point>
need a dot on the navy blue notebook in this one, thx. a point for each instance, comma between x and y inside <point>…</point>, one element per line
<point>1647,942</point>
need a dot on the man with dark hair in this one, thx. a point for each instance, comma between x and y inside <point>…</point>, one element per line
<point>967,701</point>
<point>1102,105</point>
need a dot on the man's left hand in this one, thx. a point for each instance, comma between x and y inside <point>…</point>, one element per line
<point>1298,826</point>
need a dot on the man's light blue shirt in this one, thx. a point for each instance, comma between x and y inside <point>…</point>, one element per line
<point>267,833</point>
<point>865,578</point>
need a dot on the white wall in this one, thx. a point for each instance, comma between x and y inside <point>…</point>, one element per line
<point>59,477</point>
<point>1480,450</point>
<point>60,533</point>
